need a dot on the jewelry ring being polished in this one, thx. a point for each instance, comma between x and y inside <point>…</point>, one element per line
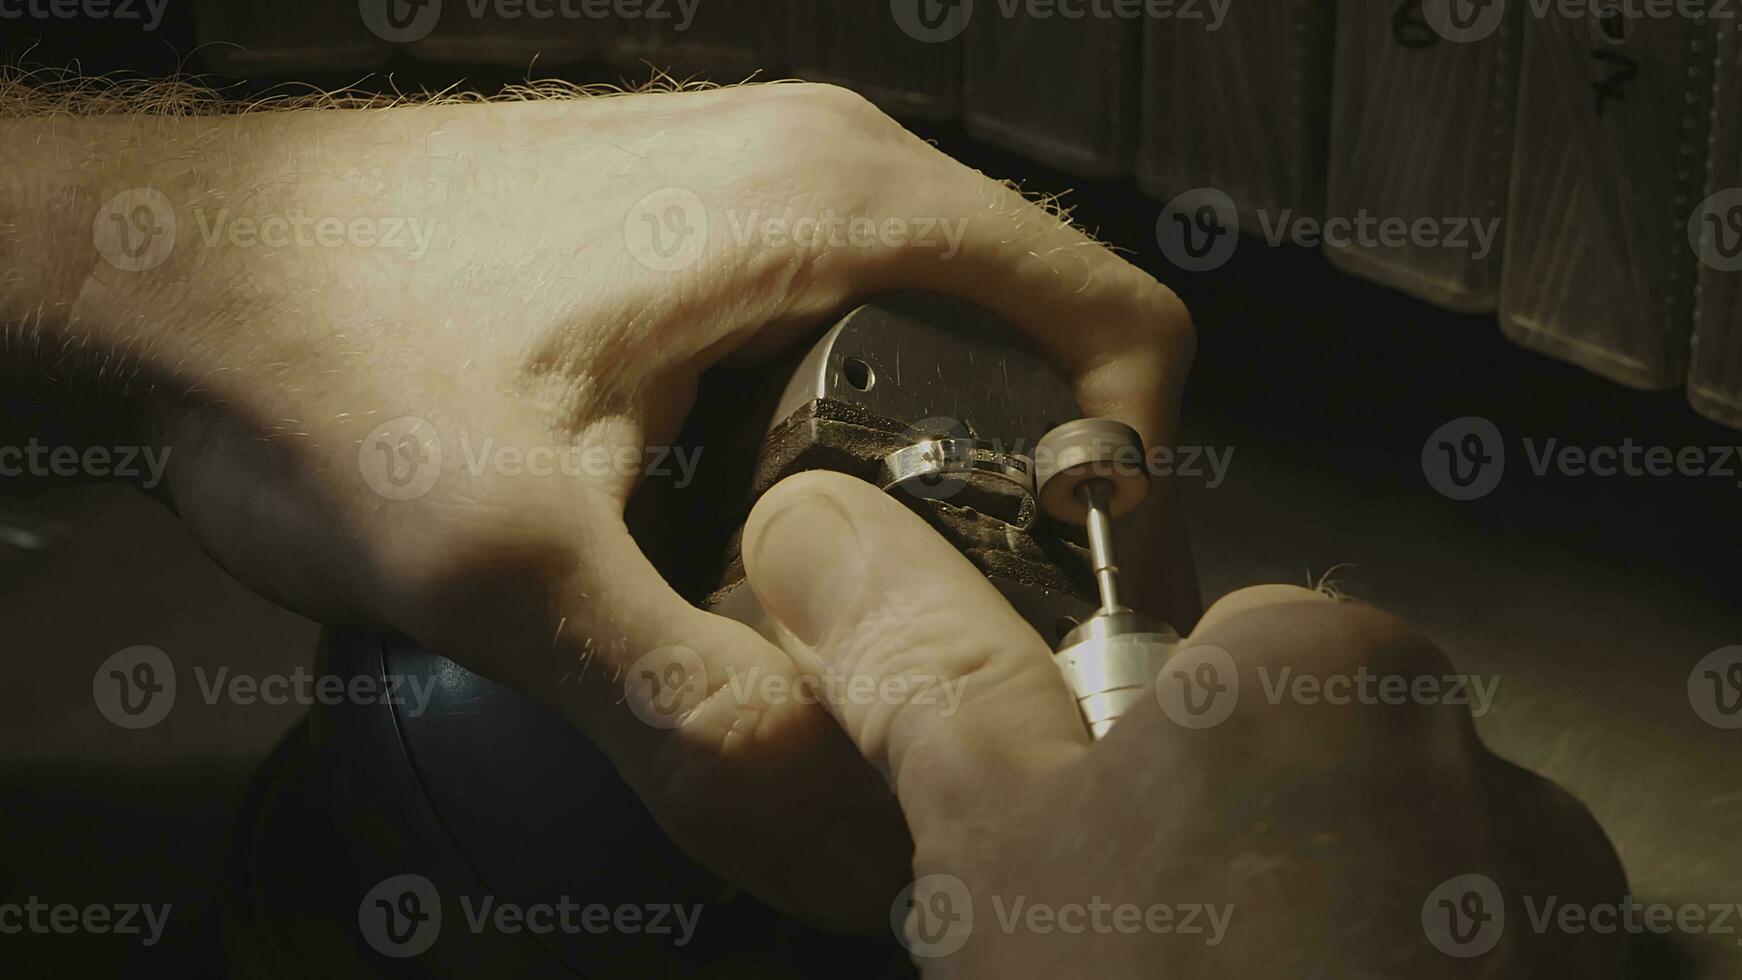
<point>956,456</point>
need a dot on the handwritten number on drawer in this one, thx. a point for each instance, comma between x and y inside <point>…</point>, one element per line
<point>1410,27</point>
<point>1612,87</point>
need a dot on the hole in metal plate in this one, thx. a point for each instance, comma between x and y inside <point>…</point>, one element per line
<point>858,373</point>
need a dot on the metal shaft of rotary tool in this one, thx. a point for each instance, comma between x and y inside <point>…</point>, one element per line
<point>1095,495</point>
<point>1086,474</point>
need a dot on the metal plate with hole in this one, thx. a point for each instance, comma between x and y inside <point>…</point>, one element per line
<point>888,359</point>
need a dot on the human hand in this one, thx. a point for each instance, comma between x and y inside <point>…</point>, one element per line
<point>325,403</point>
<point>1261,837</point>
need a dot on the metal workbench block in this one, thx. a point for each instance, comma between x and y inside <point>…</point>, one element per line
<point>1715,230</point>
<point>904,55</point>
<point>1242,107</point>
<point>723,41</point>
<point>278,38</point>
<point>1062,91</point>
<point>1608,165</point>
<point>1421,138</point>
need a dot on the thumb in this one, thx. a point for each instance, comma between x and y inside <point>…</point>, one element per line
<point>925,665</point>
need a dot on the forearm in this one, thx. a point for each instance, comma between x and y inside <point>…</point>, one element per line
<point>94,254</point>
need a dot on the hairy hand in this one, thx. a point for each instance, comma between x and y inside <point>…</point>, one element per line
<point>1243,836</point>
<point>346,321</point>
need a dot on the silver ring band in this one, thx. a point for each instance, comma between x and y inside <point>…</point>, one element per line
<point>956,456</point>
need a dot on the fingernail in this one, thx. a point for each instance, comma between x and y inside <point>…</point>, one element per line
<point>810,567</point>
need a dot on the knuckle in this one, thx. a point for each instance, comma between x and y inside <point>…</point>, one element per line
<point>1331,682</point>
<point>812,117</point>
<point>832,103</point>
<point>1166,321</point>
<point>1327,636</point>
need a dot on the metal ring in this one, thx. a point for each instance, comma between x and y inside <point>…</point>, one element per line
<point>956,456</point>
